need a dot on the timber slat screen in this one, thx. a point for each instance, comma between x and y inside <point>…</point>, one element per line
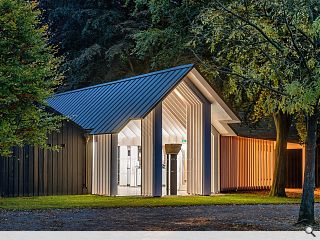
<point>32,171</point>
<point>294,168</point>
<point>248,163</point>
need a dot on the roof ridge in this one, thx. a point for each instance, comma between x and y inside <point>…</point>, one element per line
<point>124,80</point>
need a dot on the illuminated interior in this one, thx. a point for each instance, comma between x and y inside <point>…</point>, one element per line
<point>134,162</point>
<point>174,131</point>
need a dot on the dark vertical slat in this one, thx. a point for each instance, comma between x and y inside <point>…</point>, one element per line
<point>31,171</point>
<point>54,165</point>
<point>21,172</point>
<point>60,161</point>
<point>74,161</point>
<point>2,176</point>
<point>81,162</point>
<point>317,173</point>
<point>36,171</point>
<point>65,159</point>
<point>7,177</point>
<point>89,151</point>
<point>40,171</point>
<point>293,170</point>
<point>70,163</point>
<point>49,169</point>
<point>26,170</point>
<point>296,169</point>
<point>299,169</point>
<point>45,171</point>
<point>289,158</point>
<point>16,172</point>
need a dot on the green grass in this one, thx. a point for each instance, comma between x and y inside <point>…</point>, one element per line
<point>92,201</point>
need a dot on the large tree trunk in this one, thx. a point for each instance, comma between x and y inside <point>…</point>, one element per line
<point>306,213</point>
<point>282,122</point>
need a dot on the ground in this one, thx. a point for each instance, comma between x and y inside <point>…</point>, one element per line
<point>243,211</point>
<point>216,217</point>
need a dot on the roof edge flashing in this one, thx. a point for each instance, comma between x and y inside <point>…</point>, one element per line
<point>210,93</point>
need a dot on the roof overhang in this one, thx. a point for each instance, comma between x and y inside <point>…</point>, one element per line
<point>221,114</point>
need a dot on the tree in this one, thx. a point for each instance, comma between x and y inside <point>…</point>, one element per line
<point>310,97</point>
<point>166,40</point>
<point>270,52</point>
<point>169,41</point>
<point>28,76</point>
<point>96,39</point>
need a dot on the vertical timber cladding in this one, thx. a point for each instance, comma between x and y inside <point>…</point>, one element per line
<point>32,171</point>
<point>198,139</point>
<point>215,160</point>
<point>104,166</point>
<point>294,168</point>
<point>246,163</point>
<point>317,167</point>
<point>151,146</point>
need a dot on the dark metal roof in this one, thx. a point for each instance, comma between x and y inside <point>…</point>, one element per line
<point>107,108</point>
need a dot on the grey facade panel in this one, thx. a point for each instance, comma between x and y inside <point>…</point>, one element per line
<point>32,171</point>
<point>106,108</point>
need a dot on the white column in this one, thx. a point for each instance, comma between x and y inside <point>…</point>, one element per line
<point>151,144</point>
<point>215,160</point>
<point>194,149</point>
<point>199,140</point>
<point>114,165</point>
<point>206,147</point>
<point>104,173</point>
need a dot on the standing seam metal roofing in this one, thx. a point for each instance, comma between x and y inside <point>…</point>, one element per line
<point>108,107</point>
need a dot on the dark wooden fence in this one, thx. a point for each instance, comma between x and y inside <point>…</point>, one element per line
<point>32,171</point>
<point>294,169</point>
<point>317,167</point>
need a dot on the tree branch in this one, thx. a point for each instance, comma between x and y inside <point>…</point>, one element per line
<point>230,72</point>
<point>294,41</point>
<point>273,43</point>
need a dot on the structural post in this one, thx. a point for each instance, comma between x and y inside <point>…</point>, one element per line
<point>206,117</point>
<point>205,134</point>
<point>157,144</point>
<point>88,162</point>
<point>151,144</point>
<point>215,162</point>
<point>114,165</point>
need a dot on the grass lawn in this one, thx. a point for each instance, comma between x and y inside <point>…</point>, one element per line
<point>92,201</point>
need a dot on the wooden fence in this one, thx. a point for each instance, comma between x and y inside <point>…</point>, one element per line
<point>248,163</point>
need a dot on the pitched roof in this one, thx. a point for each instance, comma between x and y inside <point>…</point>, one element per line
<point>130,98</point>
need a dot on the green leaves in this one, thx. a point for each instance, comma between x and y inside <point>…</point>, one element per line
<point>166,41</point>
<point>266,50</point>
<point>28,76</point>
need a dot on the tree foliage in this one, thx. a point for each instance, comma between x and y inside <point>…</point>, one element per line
<point>264,47</point>
<point>96,39</point>
<point>269,51</point>
<point>164,42</point>
<point>28,75</point>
